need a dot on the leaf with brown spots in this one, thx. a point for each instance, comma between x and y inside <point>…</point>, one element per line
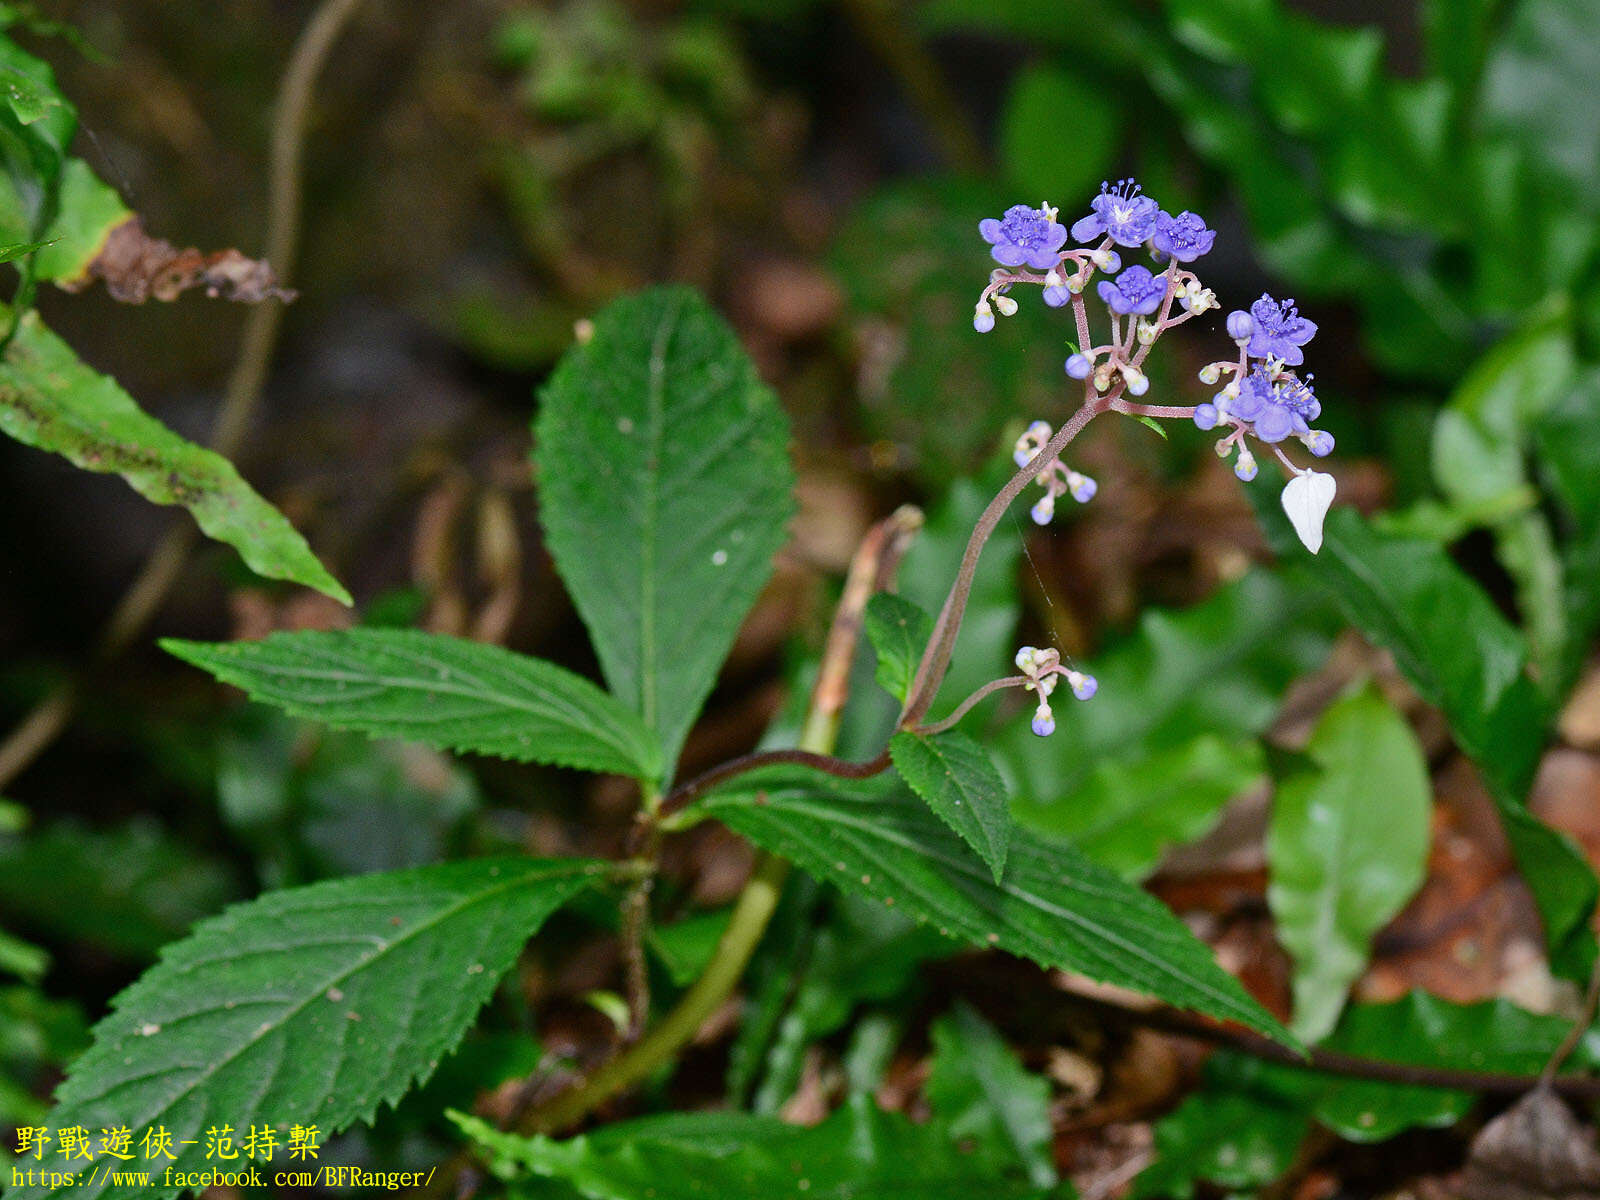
<point>137,267</point>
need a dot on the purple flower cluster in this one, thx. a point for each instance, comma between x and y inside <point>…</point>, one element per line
<point>1123,213</point>
<point>1275,330</point>
<point>1025,237</point>
<point>1133,291</point>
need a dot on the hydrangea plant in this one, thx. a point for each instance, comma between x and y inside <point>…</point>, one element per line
<point>1264,398</point>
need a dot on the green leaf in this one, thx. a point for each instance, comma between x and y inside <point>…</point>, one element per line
<point>1347,847</point>
<point>666,485</point>
<point>29,99</point>
<point>127,889</point>
<point>446,692</point>
<point>1062,171</point>
<point>1128,813</point>
<point>51,400</point>
<point>1054,906</point>
<point>1217,669</point>
<point>312,1005</point>
<point>1240,1130</point>
<point>858,1153</point>
<point>88,210</point>
<point>1463,658</point>
<point>954,775</point>
<point>12,253</point>
<point>899,631</point>
<point>22,959</point>
<point>1568,453</point>
<point>982,1094</point>
<point>685,947</point>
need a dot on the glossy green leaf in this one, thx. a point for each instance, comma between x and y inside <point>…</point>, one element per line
<point>665,480</point>
<point>1568,455</point>
<point>51,400</point>
<point>898,631</point>
<point>1061,171</point>
<point>985,1096</point>
<point>953,774</point>
<point>1347,847</point>
<point>88,210</point>
<point>859,1153</point>
<point>1407,596</point>
<point>1054,905</point>
<point>315,1004</point>
<point>444,691</point>
<point>1130,812</point>
<point>1217,670</point>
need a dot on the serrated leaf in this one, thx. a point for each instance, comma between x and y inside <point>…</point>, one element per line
<point>446,692</point>
<point>51,400</point>
<point>899,631</point>
<point>858,1153</point>
<point>1464,658</point>
<point>665,482</point>
<point>983,1094</point>
<point>1054,905</point>
<point>1347,847</point>
<point>953,774</point>
<point>311,1005</point>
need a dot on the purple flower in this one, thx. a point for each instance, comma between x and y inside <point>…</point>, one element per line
<point>1279,331</point>
<point>1121,212</point>
<point>1277,410</point>
<point>1134,291</point>
<point>1254,398</point>
<point>1185,236</point>
<point>1025,236</point>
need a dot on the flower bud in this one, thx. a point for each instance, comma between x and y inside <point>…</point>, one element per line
<point>1245,468</point>
<point>1024,659</point>
<point>1044,510</point>
<point>1146,333</point>
<point>983,317</point>
<point>1209,374</point>
<point>1006,305</point>
<point>1240,325</point>
<point>1079,366</point>
<point>1205,416</point>
<point>1056,296</point>
<point>1082,487</point>
<point>1106,260</point>
<point>1319,442</point>
<point>1044,721</point>
<point>1138,382</point>
<point>1083,686</point>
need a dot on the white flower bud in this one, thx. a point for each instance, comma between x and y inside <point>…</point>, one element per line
<point>1006,305</point>
<point>1147,333</point>
<point>1209,374</point>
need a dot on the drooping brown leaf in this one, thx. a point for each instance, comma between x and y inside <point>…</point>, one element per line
<point>137,267</point>
<point>1533,1150</point>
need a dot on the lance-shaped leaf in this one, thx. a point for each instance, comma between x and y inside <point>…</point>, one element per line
<point>49,399</point>
<point>666,485</point>
<point>954,775</point>
<point>445,691</point>
<point>1054,905</point>
<point>1347,847</point>
<point>898,631</point>
<point>314,1005</point>
<point>858,1153</point>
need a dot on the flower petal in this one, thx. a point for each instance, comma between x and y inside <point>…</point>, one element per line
<point>989,230</point>
<point>1086,229</point>
<point>1306,499</point>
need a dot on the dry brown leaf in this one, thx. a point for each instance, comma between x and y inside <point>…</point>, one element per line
<point>137,267</point>
<point>1534,1150</point>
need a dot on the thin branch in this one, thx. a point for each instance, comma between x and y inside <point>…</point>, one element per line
<point>1334,1062</point>
<point>936,658</point>
<point>966,706</point>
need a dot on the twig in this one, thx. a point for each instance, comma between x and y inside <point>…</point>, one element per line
<point>1585,1019</point>
<point>873,564</point>
<point>144,596</point>
<point>1334,1062</point>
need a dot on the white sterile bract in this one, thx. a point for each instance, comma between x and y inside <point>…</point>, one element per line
<point>1307,498</point>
